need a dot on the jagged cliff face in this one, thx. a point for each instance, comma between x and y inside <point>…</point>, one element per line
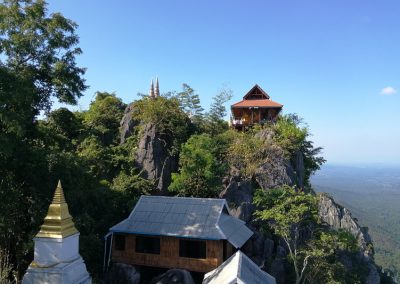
<point>272,253</point>
<point>153,156</point>
<point>339,217</point>
<point>128,123</point>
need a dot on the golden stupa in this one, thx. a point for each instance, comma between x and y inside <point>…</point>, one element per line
<point>58,222</point>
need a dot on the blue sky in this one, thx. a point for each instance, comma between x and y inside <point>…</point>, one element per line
<point>326,60</point>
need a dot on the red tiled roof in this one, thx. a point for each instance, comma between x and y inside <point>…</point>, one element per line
<point>257,103</point>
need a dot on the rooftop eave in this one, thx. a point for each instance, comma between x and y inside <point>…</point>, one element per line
<point>233,106</point>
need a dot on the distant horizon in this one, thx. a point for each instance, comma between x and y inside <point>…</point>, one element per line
<point>367,165</point>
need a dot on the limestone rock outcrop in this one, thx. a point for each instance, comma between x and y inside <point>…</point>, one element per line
<point>240,195</point>
<point>154,158</point>
<point>128,123</point>
<point>339,217</point>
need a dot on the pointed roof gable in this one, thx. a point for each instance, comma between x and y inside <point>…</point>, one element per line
<point>58,223</point>
<point>185,217</point>
<point>256,93</point>
<point>238,269</point>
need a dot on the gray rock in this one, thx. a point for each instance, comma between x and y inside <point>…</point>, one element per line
<point>296,170</point>
<point>274,171</point>
<point>153,157</point>
<point>174,276</point>
<point>127,124</point>
<point>268,249</point>
<point>121,273</point>
<point>339,217</point>
<point>278,266</point>
<point>255,248</point>
<point>373,275</point>
<point>239,195</point>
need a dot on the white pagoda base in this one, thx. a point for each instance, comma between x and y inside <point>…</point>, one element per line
<point>57,261</point>
<point>62,273</point>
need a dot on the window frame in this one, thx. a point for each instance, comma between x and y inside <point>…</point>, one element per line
<point>147,247</point>
<point>120,242</point>
<point>185,252</point>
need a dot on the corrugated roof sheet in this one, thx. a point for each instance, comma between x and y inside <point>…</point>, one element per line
<point>238,269</point>
<point>257,103</point>
<point>200,218</point>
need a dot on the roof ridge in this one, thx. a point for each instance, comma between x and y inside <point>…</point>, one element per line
<point>240,255</point>
<point>181,197</point>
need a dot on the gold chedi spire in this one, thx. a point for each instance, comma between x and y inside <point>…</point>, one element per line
<point>157,90</point>
<point>58,222</point>
<point>151,91</point>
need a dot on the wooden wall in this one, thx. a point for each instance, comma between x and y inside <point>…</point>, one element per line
<point>169,255</point>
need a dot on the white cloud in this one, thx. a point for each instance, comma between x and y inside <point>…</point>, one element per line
<point>388,91</point>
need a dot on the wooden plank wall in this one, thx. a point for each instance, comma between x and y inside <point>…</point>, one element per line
<point>169,255</point>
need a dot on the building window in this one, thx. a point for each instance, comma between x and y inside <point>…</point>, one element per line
<point>192,249</point>
<point>148,245</point>
<point>119,242</point>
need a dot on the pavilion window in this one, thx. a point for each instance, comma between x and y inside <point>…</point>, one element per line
<point>119,242</point>
<point>147,245</point>
<point>192,249</point>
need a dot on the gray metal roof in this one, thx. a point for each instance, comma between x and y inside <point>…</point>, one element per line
<point>238,269</point>
<point>199,218</point>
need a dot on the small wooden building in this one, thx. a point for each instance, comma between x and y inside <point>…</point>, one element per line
<point>196,234</point>
<point>255,108</point>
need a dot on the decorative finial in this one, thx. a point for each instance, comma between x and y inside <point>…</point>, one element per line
<point>151,92</point>
<point>157,90</point>
<point>58,223</point>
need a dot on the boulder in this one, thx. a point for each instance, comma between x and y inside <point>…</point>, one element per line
<point>174,276</point>
<point>239,195</point>
<point>121,273</point>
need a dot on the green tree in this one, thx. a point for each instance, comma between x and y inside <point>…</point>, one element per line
<point>41,49</point>
<point>325,249</point>
<point>216,123</point>
<point>104,116</point>
<point>217,109</point>
<point>313,249</point>
<point>37,65</point>
<point>293,138</point>
<point>190,102</point>
<point>289,214</point>
<point>169,120</point>
<point>200,172</point>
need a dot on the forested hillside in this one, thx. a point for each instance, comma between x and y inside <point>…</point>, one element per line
<point>373,194</point>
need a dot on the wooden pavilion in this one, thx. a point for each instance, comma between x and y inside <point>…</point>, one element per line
<point>196,234</point>
<point>255,108</point>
